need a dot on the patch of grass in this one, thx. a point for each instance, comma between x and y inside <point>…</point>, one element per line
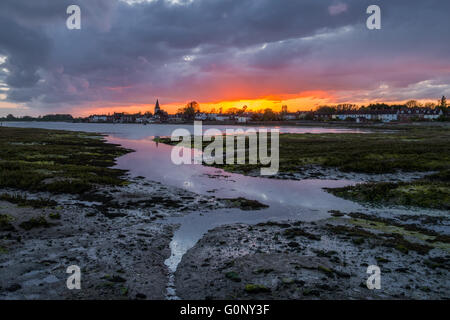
<point>233,276</point>
<point>57,161</point>
<point>245,204</point>
<point>5,223</point>
<point>54,216</point>
<point>263,270</point>
<point>22,201</point>
<point>256,288</point>
<point>425,193</point>
<point>382,260</point>
<point>327,271</point>
<point>410,149</point>
<point>33,223</point>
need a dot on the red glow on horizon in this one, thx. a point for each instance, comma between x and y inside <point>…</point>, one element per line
<point>304,101</point>
<point>295,102</point>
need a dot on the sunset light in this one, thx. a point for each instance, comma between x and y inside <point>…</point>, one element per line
<point>234,158</point>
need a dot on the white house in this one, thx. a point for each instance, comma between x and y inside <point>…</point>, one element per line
<point>201,116</point>
<point>388,116</point>
<point>243,119</point>
<point>382,115</point>
<point>433,114</point>
<point>212,116</point>
<point>290,116</point>
<point>420,113</point>
<point>98,118</point>
<point>222,117</point>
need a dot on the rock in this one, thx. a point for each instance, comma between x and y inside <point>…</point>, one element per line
<point>233,276</point>
<point>14,287</point>
<point>287,281</point>
<point>293,244</point>
<point>325,270</point>
<point>336,213</point>
<point>117,279</point>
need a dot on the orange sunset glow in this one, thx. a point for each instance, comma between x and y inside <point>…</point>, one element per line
<point>300,103</point>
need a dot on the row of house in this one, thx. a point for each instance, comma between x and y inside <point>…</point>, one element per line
<point>122,118</point>
<point>155,118</point>
<point>159,115</point>
<point>361,115</point>
<point>202,116</point>
<point>242,118</point>
<point>406,114</point>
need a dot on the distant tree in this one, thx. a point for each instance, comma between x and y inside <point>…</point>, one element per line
<point>190,110</point>
<point>326,109</point>
<point>27,118</point>
<point>257,116</point>
<point>412,104</point>
<point>10,117</point>
<point>57,117</point>
<point>242,111</point>
<point>346,107</point>
<point>269,115</point>
<point>309,116</point>
<point>443,102</point>
<point>429,105</point>
<point>442,105</point>
<point>232,111</point>
<point>378,106</point>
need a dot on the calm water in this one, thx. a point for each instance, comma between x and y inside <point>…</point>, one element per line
<point>136,132</point>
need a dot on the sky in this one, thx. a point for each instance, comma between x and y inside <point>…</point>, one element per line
<point>221,53</point>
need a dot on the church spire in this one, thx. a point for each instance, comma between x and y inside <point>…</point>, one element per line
<point>157,108</point>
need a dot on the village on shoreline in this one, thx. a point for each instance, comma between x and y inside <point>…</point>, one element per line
<point>349,113</point>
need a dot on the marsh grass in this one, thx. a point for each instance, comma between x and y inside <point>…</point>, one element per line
<point>37,222</point>
<point>410,150</point>
<point>5,222</point>
<point>22,201</point>
<point>57,161</point>
<point>425,193</point>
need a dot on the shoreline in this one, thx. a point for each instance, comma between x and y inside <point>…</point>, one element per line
<point>118,234</point>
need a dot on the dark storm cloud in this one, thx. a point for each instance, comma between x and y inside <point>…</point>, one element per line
<point>131,53</point>
<point>26,50</point>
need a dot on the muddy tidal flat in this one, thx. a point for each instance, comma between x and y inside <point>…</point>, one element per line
<point>66,214</point>
<point>140,228</point>
<point>323,260</point>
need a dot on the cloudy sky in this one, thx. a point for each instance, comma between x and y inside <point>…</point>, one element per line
<point>302,53</point>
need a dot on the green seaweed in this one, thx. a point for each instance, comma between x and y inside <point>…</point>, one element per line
<point>57,161</point>
<point>256,288</point>
<point>233,276</point>
<point>39,222</point>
